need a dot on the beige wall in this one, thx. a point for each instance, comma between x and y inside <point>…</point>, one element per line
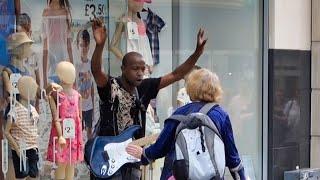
<point>315,85</point>
<point>290,24</point>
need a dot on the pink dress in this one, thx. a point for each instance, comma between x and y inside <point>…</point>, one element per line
<point>69,108</point>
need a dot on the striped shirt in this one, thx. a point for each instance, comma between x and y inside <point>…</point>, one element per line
<point>24,125</point>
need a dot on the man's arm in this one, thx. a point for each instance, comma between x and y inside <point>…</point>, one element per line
<point>100,36</point>
<point>184,68</point>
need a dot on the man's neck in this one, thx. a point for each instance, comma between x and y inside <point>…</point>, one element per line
<point>127,85</point>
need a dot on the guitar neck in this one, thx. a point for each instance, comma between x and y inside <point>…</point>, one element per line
<point>146,140</point>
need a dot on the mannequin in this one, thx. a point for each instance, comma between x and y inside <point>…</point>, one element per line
<point>56,31</point>
<point>20,49</point>
<point>22,126</point>
<point>69,109</point>
<point>19,46</point>
<point>135,30</point>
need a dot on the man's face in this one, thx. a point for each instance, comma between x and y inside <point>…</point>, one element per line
<point>134,70</point>
<point>84,48</point>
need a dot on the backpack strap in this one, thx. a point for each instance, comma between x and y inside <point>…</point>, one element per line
<point>207,107</point>
<point>178,117</point>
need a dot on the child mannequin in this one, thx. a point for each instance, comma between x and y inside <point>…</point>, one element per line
<point>19,46</point>
<point>56,27</point>
<point>68,110</point>
<point>20,49</point>
<point>22,126</point>
<point>137,39</point>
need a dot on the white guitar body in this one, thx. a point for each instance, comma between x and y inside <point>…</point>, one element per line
<point>118,156</point>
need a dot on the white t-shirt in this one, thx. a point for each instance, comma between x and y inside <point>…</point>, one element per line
<point>85,84</point>
<point>183,96</point>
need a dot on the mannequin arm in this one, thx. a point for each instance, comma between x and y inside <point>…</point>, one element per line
<point>56,121</point>
<point>45,62</point>
<point>11,140</point>
<point>114,46</point>
<point>80,108</point>
<point>6,82</point>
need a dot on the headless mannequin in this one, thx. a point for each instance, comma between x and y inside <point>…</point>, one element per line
<point>66,73</point>
<point>133,8</point>
<point>54,9</point>
<point>28,89</point>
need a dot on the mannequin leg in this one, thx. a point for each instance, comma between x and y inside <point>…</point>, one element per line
<point>69,172</point>
<point>60,174</point>
<point>10,174</point>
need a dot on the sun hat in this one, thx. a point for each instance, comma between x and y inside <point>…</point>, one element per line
<point>16,39</point>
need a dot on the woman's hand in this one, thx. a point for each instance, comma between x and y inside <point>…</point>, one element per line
<point>135,151</point>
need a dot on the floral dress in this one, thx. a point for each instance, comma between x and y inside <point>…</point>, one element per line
<point>68,108</point>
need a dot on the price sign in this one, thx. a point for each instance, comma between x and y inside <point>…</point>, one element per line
<point>69,128</point>
<point>14,78</point>
<point>94,8</point>
<point>132,29</point>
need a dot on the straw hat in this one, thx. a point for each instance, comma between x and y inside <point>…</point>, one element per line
<point>17,39</point>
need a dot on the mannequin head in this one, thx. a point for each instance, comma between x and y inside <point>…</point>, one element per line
<point>66,72</point>
<point>27,87</point>
<point>135,6</point>
<point>19,45</point>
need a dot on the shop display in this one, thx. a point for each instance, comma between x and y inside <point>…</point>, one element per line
<point>54,31</point>
<point>22,130</point>
<point>135,33</point>
<point>154,25</point>
<point>65,148</point>
<point>56,34</point>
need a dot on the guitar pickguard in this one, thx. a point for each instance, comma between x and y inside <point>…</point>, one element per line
<point>118,156</point>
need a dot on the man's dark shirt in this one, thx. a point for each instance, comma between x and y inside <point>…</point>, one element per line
<point>120,109</point>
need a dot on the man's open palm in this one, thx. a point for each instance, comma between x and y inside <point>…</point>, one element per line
<point>201,41</point>
<point>99,31</point>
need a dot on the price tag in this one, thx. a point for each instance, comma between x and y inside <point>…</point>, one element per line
<point>14,78</point>
<point>132,29</point>
<point>69,128</point>
<point>96,8</point>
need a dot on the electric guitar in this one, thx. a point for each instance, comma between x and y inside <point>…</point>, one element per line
<point>108,153</point>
